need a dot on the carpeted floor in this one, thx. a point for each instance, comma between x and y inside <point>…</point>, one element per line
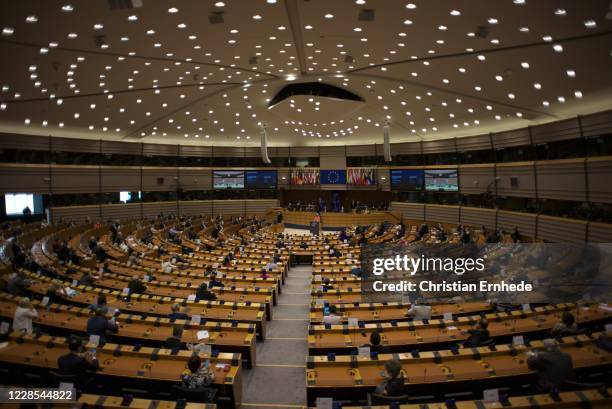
<point>279,378</point>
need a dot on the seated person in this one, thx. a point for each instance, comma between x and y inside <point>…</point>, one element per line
<point>214,282</point>
<point>18,284</point>
<point>271,265</point>
<point>136,286</point>
<point>419,312</point>
<point>99,325</point>
<point>478,335</point>
<point>204,294</point>
<point>303,245</point>
<point>24,313</point>
<point>327,285</point>
<point>332,318</point>
<point>176,313</point>
<point>100,304</point>
<point>87,278</point>
<point>76,362</point>
<point>375,345</point>
<point>55,292</point>
<point>567,326</point>
<point>393,380</point>
<point>174,342</point>
<point>554,367</point>
<point>197,374</point>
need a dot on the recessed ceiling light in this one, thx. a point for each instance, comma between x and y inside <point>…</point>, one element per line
<point>271,1</point>
<point>590,24</point>
<point>407,22</point>
<point>31,19</point>
<point>67,8</point>
<point>442,28</point>
<point>308,27</point>
<point>7,31</point>
<point>411,6</point>
<point>547,38</point>
<point>72,35</point>
<point>360,2</point>
<point>328,16</point>
<point>182,25</point>
<point>150,32</point>
<point>133,17</point>
<point>357,29</point>
<point>519,2</point>
<point>219,4</point>
<point>98,26</point>
<point>560,12</point>
<point>578,94</point>
<point>525,65</point>
<point>571,73</point>
<point>492,20</point>
<point>558,48</point>
<point>537,85</point>
<point>256,17</point>
<point>524,29</point>
<point>173,10</point>
<point>499,78</point>
<point>455,13</point>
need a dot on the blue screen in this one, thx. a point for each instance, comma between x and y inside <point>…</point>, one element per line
<point>406,179</point>
<point>333,177</point>
<point>261,179</point>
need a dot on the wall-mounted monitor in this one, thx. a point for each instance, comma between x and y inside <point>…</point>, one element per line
<point>442,180</point>
<point>228,179</point>
<point>406,179</point>
<point>261,179</point>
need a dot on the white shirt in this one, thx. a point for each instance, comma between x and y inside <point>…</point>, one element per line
<point>420,312</point>
<point>331,319</point>
<point>23,319</point>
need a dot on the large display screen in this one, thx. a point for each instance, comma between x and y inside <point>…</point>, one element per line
<point>406,179</point>
<point>261,179</point>
<point>228,179</point>
<point>442,180</point>
<point>333,177</point>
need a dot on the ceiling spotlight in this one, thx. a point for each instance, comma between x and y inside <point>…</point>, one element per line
<point>455,13</point>
<point>591,23</point>
<point>173,10</point>
<point>558,48</point>
<point>411,6</point>
<point>329,16</point>
<point>67,8</point>
<point>219,4</point>
<point>7,31</point>
<point>31,19</point>
<point>360,2</point>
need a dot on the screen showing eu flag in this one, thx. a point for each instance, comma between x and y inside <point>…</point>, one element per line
<point>333,177</point>
<point>406,179</point>
<point>261,179</point>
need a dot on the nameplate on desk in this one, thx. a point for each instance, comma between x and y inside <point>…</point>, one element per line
<point>4,327</point>
<point>203,335</point>
<point>75,283</point>
<point>191,297</point>
<point>324,403</point>
<point>66,386</point>
<point>126,291</point>
<point>195,319</point>
<point>526,308</point>
<point>518,340</point>
<point>147,278</point>
<point>94,340</point>
<point>490,395</point>
<point>608,327</point>
<point>318,277</point>
<point>353,322</point>
<point>364,351</point>
<point>45,301</point>
<point>448,316</point>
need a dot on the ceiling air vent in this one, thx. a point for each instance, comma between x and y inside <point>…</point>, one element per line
<point>216,18</point>
<point>366,15</point>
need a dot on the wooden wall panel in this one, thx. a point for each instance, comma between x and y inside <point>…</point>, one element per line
<point>24,178</point>
<point>259,207</point>
<point>409,211</point>
<point>475,179</point>
<point>154,209</point>
<point>561,230</point>
<point>442,214</point>
<point>556,131</point>
<point>474,143</point>
<point>123,148</point>
<point>195,151</point>
<point>476,217</point>
<point>439,146</point>
<point>151,175</point>
<point>507,139</point>
<point>561,179</point>
<point>304,151</point>
<point>27,142</point>
<point>597,124</point>
<point>360,150</point>
<point>600,178</point>
<point>600,232</point>
<point>120,212</point>
<point>526,222</point>
<point>75,145</point>
<point>195,178</point>
<point>523,172</point>
<point>75,213</point>
<point>406,148</point>
<point>75,179</point>
<point>154,149</point>
<point>228,152</point>
<point>196,207</point>
<point>120,179</point>
<point>229,207</point>
<point>278,152</point>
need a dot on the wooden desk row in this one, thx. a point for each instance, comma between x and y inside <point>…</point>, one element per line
<point>406,335</point>
<point>127,365</point>
<point>440,371</point>
<point>154,305</point>
<point>87,400</point>
<point>372,312</point>
<point>590,398</point>
<point>141,329</point>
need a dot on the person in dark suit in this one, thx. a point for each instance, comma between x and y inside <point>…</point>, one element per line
<point>478,335</point>
<point>204,294</point>
<point>554,367</point>
<point>393,380</point>
<point>174,342</point>
<point>99,325</point>
<point>375,345</point>
<point>136,286</point>
<point>76,362</point>
<point>176,313</point>
<point>214,282</point>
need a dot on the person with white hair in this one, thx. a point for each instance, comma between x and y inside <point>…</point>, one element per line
<point>24,313</point>
<point>554,367</point>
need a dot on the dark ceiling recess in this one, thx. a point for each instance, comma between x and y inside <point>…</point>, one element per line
<point>317,89</point>
<point>366,15</point>
<point>216,17</point>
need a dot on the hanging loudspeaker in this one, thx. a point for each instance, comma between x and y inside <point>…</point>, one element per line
<point>264,146</point>
<point>386,145</point>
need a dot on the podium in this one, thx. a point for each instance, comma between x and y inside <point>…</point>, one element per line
<point>314,228</point>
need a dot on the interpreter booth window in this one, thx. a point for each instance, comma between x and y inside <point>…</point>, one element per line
<point>15,203</point>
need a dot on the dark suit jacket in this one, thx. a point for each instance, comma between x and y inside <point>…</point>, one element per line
<point>477,337</point>
<point>174,343</point>
<point>73,364</point>
<point>178,316</point>
<point>554,368</point>
<point>395,386</point>
<point>98,325</point>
